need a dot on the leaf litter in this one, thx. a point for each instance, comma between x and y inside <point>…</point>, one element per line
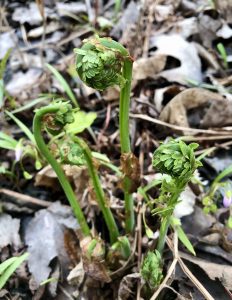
<point>179,79</point>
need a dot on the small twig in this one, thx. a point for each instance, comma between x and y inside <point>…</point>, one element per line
<point>190,275</point>
<point>66,293</point>
<point>194,130</point>
<point>25,199</point>
<point>211,149</point>
<point>206,138</point>
<point>180,297</point>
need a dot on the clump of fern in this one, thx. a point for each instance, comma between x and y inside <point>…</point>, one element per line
<point>151,269</point>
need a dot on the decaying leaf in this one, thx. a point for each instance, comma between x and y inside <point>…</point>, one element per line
<point>9,231</point>
<point>46,231</point>
<point>77,274</point>
<point>213,270</point>
<point>94,263</point>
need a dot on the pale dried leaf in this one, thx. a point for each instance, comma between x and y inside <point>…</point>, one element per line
<point>130,16</point>
<point>186,205</point>
<point>7,41</point>
<point>225,31</point>
<point>30,14</point>
<point>71,7</point>
<point>45,239</point>
<point>9,231</point>
<point>175,46</point>
<point>23,81</point>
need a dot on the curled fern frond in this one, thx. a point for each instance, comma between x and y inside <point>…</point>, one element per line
<point>176,159</point>
<point>55,122</point>
<point>71,153</point>
<point>99,63</point>
<point>151,269</point>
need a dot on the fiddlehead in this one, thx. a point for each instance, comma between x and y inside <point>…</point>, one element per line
<point>99,63</point>
<point>176,159</point>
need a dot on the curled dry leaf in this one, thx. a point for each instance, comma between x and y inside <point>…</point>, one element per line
<point>175,112</point>
<point>207,28</point>
<point>70,8</point>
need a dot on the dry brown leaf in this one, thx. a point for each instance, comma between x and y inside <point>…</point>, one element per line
<point>225,8</point>
<point>175,112</point>
<point>214,271</point>
<point>144,68</point>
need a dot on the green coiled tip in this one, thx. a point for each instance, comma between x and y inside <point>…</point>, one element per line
<point>176,159</point>
<point>99,63</point>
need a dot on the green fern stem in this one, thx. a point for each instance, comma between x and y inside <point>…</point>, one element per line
<point>108,216</point>
<point>37,129</point>
<point>124,108</point>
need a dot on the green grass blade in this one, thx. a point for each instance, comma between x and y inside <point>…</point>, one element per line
<point>184,239</point>
<point>11,268</point>
<point>23,127</point>
<point>64,84</point>
<point>3,62</point>
<point>29,104</point>
<point>4,265</point>
<point>7,145</point>
<point>224,173</point>
<point>8,138</point>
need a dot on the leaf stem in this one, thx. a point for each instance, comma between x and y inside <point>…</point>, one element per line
<point>37,128</point>
<point>167,220</point>
<point>108,216</point>
<point>124,108</point>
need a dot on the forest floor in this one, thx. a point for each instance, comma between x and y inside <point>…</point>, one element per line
<point>181,87</point>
